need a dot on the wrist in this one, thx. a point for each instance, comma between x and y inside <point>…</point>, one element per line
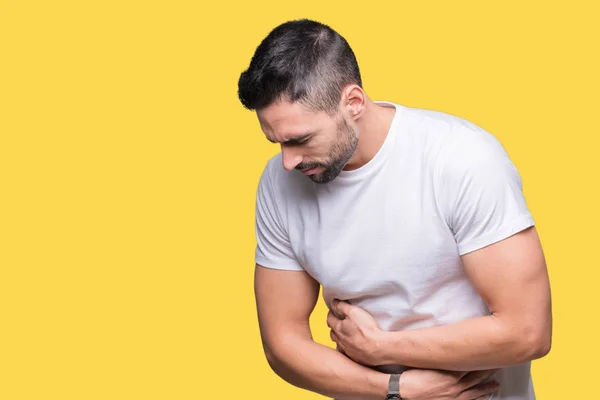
<point>383,349</point>
<point>403,386</point>
<point>379,384</point>
<point>412,385</point>
<point>394,387</point>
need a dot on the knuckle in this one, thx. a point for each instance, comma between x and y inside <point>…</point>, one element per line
<point>451,392</point>
<point>454,391</point>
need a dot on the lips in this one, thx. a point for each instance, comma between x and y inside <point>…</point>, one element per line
<point>310,171</point>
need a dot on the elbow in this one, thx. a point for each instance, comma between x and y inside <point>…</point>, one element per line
<point>283,367</point>
<point>535,342</point>
<point>281,358</point>
<point>277,360</point>
<point>540,345</point>
<point>272,359</point>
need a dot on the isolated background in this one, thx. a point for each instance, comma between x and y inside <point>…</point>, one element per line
<point>128,172</point>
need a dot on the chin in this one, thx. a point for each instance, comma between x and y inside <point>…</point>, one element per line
<point>321,179</point>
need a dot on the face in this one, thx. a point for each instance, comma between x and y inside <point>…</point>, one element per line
<point>315,143</point>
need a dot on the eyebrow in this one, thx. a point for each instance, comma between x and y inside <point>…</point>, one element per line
<point>293,140</point>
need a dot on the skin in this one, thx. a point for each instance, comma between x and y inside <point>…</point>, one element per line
<point>285,299</point>
<point>309,138</point>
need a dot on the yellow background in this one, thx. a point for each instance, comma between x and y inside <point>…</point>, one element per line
<point>128,172</point>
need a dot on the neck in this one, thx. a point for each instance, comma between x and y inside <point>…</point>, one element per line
<point>373,126</point>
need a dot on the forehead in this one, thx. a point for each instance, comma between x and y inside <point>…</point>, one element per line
<point>284,119</point>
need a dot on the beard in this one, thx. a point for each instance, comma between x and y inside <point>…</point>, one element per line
<point>339,155</point>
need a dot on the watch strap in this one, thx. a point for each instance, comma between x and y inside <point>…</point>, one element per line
<point>394,388</point>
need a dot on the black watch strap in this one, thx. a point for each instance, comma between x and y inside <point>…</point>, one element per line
<point>394,388</point>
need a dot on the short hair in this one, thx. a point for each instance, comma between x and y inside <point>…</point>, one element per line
<point>303,61</point>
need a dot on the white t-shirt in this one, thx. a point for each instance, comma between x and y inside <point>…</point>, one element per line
<point>388,236</point>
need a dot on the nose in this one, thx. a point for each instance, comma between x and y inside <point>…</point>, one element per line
<point>290,158</point>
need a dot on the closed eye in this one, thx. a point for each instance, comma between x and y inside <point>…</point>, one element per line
<point>298,141</point>
<point>295,141</point>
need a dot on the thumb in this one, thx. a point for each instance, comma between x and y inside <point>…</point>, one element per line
<point>340,308</point>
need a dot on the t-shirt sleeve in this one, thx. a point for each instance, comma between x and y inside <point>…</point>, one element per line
<point>482,195</point>
<point>273,248</point>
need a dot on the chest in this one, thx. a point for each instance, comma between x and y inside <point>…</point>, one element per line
<point>374,242</point>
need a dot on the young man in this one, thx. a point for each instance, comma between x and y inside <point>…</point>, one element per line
<point>414,223</point>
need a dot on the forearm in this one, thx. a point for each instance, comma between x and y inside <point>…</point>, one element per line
<point>311,366</point>
<point>474,344</point>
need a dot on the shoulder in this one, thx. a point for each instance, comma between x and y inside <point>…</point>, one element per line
<point>459,142</point>
<point>460,154</point>
<point>453,128</point>
<point>473,163</point>
<point>448,141</point>
<point>422,117</point>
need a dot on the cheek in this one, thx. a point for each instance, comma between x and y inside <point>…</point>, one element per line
<point>320,154</point>
<point>313,149</point>
<point>319,149</point>
<point>325,147</point>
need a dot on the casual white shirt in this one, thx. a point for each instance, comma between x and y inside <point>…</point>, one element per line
<point>388,236</point>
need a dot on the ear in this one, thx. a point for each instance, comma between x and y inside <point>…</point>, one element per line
<point>354,100</point>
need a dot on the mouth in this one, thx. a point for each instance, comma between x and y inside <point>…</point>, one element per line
<point>310,171</point>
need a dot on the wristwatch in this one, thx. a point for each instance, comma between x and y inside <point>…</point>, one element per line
<point>394,388</point>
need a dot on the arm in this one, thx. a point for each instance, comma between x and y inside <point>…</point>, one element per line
<point>286,296</point>
<point>285,300</point>
<point>479,195</point>
<point>510,276</point>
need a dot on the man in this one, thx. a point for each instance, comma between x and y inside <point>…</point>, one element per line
<point>414,223</point>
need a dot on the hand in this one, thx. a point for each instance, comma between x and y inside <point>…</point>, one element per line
<point>426,384</point>
<point>355,332</point>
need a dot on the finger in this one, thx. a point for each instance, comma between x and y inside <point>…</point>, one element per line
<point>459,374</point>
<point>475,377</point>
<point>333,322</point>
<point>333,336</point>
<point>478,391</point>
<point>336,339</point>
<point>340,308</point>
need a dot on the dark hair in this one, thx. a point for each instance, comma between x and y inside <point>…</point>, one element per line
<point>302,61</point>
